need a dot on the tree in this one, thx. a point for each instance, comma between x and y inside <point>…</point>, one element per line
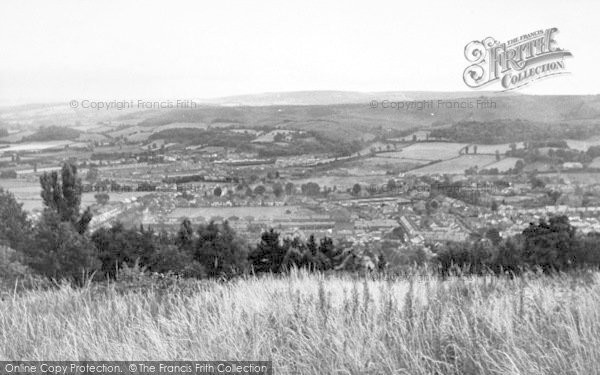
<point>259,190</point>
<point>92,175</point>
<point>277,189</point>
<point>519,165</point>
<point>118,246</point>
<point>218,191</point>
<point>289,188</point>
<point>356,189</point>
<point>64,196</point>
<point>537,182</point>
<point>494,206</point>
<point>15,227</point>
<point>391,184</point>
<point>102,198</point>
<point>59,251</point>
<point>220,251</point>
<point>493,235</point>
<point>269,254</point>
<point>550,244</point>
<point>310,188</point>
<point>553,195</point>
<point>372,189</point>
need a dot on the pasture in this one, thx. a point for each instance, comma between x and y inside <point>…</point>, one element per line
<point>432,150</point>
<point>504,164</point>
<point>456,165</point>
<point>501,148</point>
<point>35,146</point>
<point>316,324</point>
<point>583,145</point>
<point>595,163</point>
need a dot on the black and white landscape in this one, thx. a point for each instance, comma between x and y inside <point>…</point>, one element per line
<point>266,183</point>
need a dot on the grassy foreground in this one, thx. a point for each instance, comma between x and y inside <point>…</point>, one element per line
<point>312,324</point>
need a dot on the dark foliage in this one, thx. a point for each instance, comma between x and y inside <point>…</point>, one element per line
<point>507,131</point>
<point>63,196</point>
<point>275,255</point>
<point>52,133</point>
<point>15,228</point>
<point>11,173</point>
<point>551,246</point>
<point>59,251</point>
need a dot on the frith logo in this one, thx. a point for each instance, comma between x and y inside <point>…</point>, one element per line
<point>515,63</point>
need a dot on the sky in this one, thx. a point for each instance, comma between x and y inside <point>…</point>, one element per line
<point>116,50</point>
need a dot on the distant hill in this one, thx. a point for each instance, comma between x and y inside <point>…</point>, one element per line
<point>333,114</point>
<point>340,97</point>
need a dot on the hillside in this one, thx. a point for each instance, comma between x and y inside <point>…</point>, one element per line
<point>331,113</point>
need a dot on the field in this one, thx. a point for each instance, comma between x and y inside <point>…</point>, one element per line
<point>504,164</point>
<point>28,193</point>
<point>35,146</point>
<point>457,165</point>
<point>432,151</point>
<point>583,145</point>
<point>313,324</point>
<point>346,182</point>
<point>242,212</point>
<point>595,163</point>
<point>501,148</point>
<point>180,125</point>
<point>380,164</point>
<point>588,178</point>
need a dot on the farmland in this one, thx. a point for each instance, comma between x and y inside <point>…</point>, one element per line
<point>501,148</point>
<point>432,150</point>
<point>35,146</point>
<point>583,145</point>
<point>503,165</point>
<point>457,165</point>
<point>316,324</point>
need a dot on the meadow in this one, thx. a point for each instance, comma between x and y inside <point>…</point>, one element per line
<point>503,165</point>
<point>320,324</point>
<point>457,165</point>
<point>432,150</point>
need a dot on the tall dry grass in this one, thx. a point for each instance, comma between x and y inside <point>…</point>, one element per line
<point>314,324</point>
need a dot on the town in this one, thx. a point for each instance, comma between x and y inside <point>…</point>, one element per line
<point>388,187</point>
